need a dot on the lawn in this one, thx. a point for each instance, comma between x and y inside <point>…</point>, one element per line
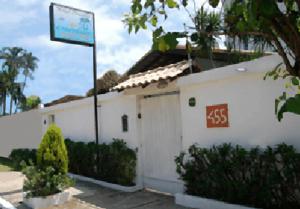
<point>5,164</point>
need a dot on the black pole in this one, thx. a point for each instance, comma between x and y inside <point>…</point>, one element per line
<point>95,84</point>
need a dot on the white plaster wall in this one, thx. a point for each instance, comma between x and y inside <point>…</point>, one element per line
<point>76,122</point>
<point>250,102</point>
<point>22,130</point>
<point>110,113</point>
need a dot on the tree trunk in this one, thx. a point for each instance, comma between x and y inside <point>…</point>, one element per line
<point>10,106</point>
<point>4,103</point>
<point>18,102</point>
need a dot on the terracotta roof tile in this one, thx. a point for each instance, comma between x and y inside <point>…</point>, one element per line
<point>160,73</point>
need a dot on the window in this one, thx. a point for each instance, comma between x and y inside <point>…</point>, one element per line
<point>51,119</point>
<point>125,123</point>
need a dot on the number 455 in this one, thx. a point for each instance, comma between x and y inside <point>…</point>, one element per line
<point>217,116</point>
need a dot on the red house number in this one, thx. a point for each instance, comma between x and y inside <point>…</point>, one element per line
<point>217,116</point>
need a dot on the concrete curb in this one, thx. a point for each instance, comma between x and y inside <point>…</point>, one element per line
<point>204,203</point>
<point>107,185</point>
<point>5,204</point>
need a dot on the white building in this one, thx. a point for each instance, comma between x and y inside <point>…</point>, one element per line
<point>162,109</point>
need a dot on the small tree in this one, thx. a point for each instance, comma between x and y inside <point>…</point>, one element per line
<point>107,81</point>
<point>52,151</point>
<point>30,103</point>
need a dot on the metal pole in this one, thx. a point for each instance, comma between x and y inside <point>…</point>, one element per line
<point>95,85</point>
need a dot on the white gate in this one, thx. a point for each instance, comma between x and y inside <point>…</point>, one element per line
<point>161,135</point>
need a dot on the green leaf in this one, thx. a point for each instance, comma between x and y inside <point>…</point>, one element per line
<point>277,101</point>
<point>171,3</point>
<point>157,32</point>
<point>148,3</point>
<point>295,81</point>
<point>142,21</point>
<point>214,3</point>
<point>129,28</point>
<point>162,45</point>
<point>194,37</point>
<point>171,40</point>
<point>291,105</point>
<point>154,21</point>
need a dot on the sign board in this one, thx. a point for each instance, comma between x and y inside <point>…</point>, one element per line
<point>217,116</point>
<point>71,25</point>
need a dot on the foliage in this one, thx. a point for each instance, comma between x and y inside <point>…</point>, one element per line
<point>116,162</point>
<point>250,177</point>
<point>15,61</point>
<point>5,164</point>
<point>19,155</point>
<point>31,102</point>
<point>41,182</point>
<point>107,81</point>
<point>52,151</point>
<point>289,101</point>
<point>261,23</point>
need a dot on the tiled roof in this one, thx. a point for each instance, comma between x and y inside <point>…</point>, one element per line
<point>67,98</point>
<point>150,76</point>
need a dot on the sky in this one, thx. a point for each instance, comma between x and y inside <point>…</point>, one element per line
<point>66,68</point>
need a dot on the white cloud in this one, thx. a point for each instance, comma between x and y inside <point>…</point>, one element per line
<point>122,58</point>
<point>12,18</point>
<point>26,2</point>
<point>41,41</point>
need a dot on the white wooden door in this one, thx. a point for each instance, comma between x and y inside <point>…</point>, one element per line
<point>161,135</point>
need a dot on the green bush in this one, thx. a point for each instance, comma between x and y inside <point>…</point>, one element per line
<point>268,178</point>
<point>43,182</point>
<point>116,162</point>
<point>19,155</point>
<point>52,151</point>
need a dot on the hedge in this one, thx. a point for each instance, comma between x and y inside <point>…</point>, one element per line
<point>263,178</point>
<point>116,163</point>
<point>19,155</point>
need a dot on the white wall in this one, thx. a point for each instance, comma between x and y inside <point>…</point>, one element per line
<point>110,113</point>
<point>250,102</point>
<point>76,119</point>
<point>22,130</point>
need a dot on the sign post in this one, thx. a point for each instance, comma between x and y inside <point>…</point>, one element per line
<point>75,26</point>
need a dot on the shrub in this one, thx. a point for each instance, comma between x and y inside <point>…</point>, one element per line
<point>267,178</point>
<point>82,157</point>
<point>116,162</point>
<point>19,155</point>
<point>43,182</point>
<point>52,151</point>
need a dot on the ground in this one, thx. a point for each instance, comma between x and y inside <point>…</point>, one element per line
<point>5,164</point>
<point>90,196</point>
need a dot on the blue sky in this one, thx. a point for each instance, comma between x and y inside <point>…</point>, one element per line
<point>65,68</point>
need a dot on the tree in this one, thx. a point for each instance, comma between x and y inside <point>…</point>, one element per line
<point>15,61</point>
<point>275,22</point>
<point>30,103</point>
<point>52,151</point>
<point>107,81</point>
<point>3,90</point>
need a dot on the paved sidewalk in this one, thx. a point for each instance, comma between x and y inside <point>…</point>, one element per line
<point>89,196</point>
<point>11,184</point>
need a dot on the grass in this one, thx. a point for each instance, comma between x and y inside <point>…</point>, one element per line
<point>5,164</point>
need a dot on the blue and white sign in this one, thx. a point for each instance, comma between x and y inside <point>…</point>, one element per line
<point>71,25</point>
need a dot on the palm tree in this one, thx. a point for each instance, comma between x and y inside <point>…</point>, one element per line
<point>16,95</point>
<point>4,84</point>
<point>15,61</point>
<point>30,64</point>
